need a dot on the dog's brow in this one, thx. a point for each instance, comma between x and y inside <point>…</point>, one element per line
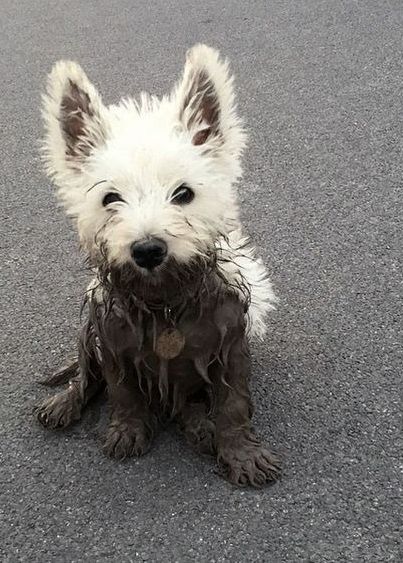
<point>96,184</point>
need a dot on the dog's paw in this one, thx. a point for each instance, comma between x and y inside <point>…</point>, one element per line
<point>126,439</point>
<point>248,463</point>
<point>201,436</point>
<point>59,411</point>
<point>198,428</point>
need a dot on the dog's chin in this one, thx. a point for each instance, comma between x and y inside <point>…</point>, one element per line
<point>153,276</point>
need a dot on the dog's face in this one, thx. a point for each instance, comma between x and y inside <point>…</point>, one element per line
<point>147,183</point>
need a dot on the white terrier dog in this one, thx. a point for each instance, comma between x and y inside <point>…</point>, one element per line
<point>177,289</point>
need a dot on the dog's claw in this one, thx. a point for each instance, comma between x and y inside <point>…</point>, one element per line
<point>126,440</point>
<point>249,464</point>
<point>59,411</point>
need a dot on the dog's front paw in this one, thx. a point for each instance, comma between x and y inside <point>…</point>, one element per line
<point>126,439</point>
<point>59,411</point>
<point>248,463</point>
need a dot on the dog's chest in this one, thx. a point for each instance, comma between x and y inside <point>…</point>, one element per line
<point>170,351</point>
<point>192,335</point>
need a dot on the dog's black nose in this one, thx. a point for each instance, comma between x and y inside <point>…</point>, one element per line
<point>149,253</point>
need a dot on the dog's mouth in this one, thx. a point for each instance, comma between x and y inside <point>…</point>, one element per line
<point>166,282</point>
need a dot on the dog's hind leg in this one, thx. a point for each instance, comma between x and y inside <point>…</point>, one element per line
<point>63,374</point>
<point>65,408</point>
<point>84,381</point>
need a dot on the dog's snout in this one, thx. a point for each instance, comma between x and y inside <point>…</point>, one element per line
<point>149,253</point>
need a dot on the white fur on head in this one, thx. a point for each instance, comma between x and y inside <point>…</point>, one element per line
<point>144,151</point>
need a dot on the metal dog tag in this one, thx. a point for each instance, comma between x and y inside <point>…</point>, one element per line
<point>170,343</point>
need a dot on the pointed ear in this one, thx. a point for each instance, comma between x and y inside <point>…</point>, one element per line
<point>206,101</point>
<point>74,119</point>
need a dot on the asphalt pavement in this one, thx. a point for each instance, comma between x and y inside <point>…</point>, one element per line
<point>320,85</point>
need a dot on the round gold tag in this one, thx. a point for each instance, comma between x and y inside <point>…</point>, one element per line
<point>170,343</point>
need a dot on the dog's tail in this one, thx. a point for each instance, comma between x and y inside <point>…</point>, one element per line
<point>63,375</point>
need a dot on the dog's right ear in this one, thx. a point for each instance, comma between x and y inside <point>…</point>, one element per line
<point>74,119</point>
<point>206,104</point>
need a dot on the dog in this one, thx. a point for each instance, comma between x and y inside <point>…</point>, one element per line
<point>178,291</point>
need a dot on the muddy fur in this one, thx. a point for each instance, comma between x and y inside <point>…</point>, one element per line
<point>204,389</point>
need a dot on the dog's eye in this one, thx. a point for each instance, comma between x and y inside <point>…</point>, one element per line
<point>182,195</point>
<point>111,197</point>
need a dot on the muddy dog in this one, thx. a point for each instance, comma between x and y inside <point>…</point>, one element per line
<point>178,291</point>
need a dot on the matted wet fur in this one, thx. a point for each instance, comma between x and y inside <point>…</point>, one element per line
<point>178,290</point>
<point>205,389</point>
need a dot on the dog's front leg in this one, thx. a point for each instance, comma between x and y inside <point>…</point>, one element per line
<point>132,424</point>
<point>241,456</point>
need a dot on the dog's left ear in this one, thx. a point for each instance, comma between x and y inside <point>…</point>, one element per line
<point>205,98</point>
<point>75,121</point>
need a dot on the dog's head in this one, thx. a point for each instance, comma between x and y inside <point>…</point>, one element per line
<point>147,183</point>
